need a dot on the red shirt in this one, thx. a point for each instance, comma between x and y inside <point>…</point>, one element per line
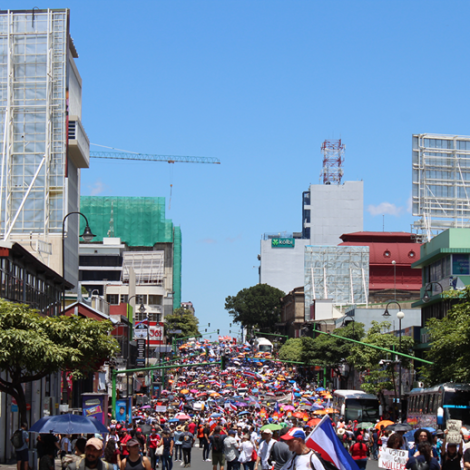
<point>153,441</point>
<point>359,451</point>
<point>191,427</point>
<point>123,442</point>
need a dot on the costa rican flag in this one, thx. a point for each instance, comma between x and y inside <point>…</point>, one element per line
<point>181,406</point>
<point>323,440</point>
<point>143,322</point>
<point>249,374</point>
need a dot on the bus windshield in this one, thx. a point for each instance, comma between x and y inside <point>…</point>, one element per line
<point>362,409</point>
<point>264,348</point>
<point>457,405</point>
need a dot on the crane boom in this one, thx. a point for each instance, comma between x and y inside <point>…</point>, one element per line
<point>153,158</point>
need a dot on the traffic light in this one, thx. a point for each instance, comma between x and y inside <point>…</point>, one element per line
<point>218,331</point>
<point>223,362</point>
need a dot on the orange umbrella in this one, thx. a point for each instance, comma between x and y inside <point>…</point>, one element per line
<point>385,423</point>
<point>313,422</point>
<point>328,396</point>
<point>184,392</point>
<point>320,412</point>
<point>300,415</point>
<point>331,410</point>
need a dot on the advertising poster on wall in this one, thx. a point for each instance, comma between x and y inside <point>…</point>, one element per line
<point>121,409</point>
<point>95,405</point>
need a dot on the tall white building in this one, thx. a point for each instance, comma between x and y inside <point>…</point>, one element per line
<point>42,140</point>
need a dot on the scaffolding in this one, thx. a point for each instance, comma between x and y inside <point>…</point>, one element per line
<point>441,183</point>
<point>337,273</point>
<point>333,158</point>
<point>33,107</point>
<point>149,267</point>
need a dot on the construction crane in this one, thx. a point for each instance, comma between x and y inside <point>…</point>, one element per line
<point>152,158</point>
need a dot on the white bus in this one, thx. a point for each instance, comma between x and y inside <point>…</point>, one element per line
<point>356,405</point>
<point>435,405</point>
<point>263,345</point>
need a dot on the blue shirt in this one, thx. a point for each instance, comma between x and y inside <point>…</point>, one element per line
<point>25,441</point>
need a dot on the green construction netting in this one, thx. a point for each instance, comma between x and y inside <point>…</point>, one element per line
<point>177,268</point>
<point>137,221</point>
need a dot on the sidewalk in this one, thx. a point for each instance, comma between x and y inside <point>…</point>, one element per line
<point>12,466</point>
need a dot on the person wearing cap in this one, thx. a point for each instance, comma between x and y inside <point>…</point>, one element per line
<point>153,442</point>
<point>135,461</point>
<point>231,451</point>
<point>302,458</point>
<point>92,460</point>
<point>265,449</point>
<point>125,438</point>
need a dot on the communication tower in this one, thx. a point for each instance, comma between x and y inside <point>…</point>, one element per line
<point>333,158</point>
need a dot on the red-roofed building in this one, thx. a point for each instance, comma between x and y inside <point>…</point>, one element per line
<point>385,276</point>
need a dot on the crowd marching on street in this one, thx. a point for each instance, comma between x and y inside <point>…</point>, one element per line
<point>257,412</point>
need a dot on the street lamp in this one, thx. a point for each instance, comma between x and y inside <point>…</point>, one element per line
<point>87,236</point>
<point>426,295</point>
<point>400,316</point>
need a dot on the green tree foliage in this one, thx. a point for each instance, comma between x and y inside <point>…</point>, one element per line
<point>256,307</point>
<point>330,351</point>
<point>184,320</point>
<point>33,346</point>
<point>291,350</point>
<point>450,343</point>
<point>380,377</point>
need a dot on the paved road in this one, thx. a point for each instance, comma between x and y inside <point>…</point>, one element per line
<point>198,464</point>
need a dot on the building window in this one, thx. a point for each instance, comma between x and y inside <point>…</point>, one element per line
<point>124,298</point>
<point>112,299</point>
<point>155,299</point>
<point>141,299</point>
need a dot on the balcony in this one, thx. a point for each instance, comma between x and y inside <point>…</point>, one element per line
<point>79,145</point>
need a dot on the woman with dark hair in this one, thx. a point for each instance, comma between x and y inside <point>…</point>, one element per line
<point>359,452</point>
<point>423,460</point>
<point>451,457</point>
<point>422,435</point>
<point>395,441</point>
<point>112,454</point>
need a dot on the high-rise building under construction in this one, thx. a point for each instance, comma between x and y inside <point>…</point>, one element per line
<point>42,140</point>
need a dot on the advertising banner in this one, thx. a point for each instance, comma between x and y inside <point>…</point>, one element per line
<point>156,334</point>
<point>121,409</point>
<point>95,405</point>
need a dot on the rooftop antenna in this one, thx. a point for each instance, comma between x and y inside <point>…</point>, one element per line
<point>333,158</point>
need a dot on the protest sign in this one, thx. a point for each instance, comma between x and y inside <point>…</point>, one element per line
<point>393,459</point>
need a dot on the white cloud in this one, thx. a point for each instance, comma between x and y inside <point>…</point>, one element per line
<point>97,188</point>
<point>385,208</point>
<point>234,239</point>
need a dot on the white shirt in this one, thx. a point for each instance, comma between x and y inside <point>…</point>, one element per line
<point>303,462</point>
<point>264,451</point>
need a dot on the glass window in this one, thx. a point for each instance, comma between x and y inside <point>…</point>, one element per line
<point>155,299</point>
<point>460,264</point>
<point>141,299</point>
<point>112,299</point>
<point>124,298</point>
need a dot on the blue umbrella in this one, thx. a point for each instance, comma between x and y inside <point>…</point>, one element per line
<point>320,389</point>
<point>68,424</point>
<point>173,420</point>
<point>410,435</point>
<point>244,413</point>
<point>216,415</point>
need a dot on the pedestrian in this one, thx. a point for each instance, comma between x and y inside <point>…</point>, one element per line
<point>186,446</point>
<point>217,442</point>
<point>178,438</point>
<point>93,452</point>
<point>167,456</point>
<point>374,439</point>
<point>134,461</point>
<point>153,442</point>
<point>78,455</point>
<point>302,458</point>
<point>246,455</point>
<point>359,452</point>
<point>265,450</point>
<point>395,441</point>
<point>112,454</point>
<point>65,446</point>
<point>422,435</point>
<point>22,454</point>
<point>451,457</point>
<point>125,438</point>
<point>422,457</point>
<point>231,451</point>
<point>206,443</point>
<point>280,452</point>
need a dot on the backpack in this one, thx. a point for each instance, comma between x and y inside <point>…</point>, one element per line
<point>217,444</point>
<point>17,439</point>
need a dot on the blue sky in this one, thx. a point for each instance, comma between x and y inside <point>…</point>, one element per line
<point>260,85</point>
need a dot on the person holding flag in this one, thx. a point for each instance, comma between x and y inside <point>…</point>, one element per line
<point>302,458</point>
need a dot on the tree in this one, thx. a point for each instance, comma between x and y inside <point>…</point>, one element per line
<point>184,320</point>
<point>450,343</point>
<point>291,350</point>
<point>258,306</point>
<point>328,350</point>
<point>33,346</point>
<point>380,377</point>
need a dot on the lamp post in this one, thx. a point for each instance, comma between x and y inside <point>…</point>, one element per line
<point>87,236</point>
<point>400,316</point>
<point>426,295</point>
